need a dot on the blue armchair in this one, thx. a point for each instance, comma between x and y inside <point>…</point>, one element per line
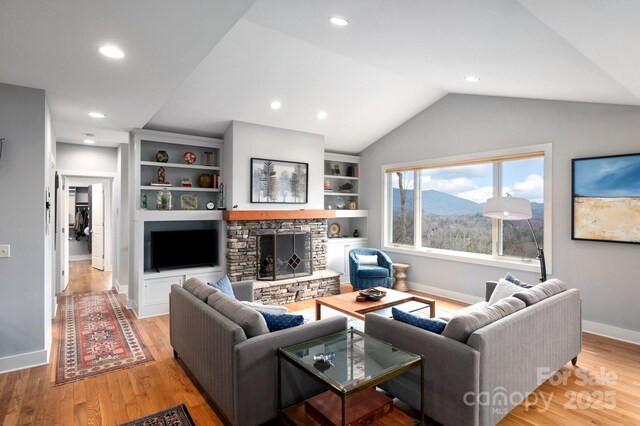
<point>366,276</point>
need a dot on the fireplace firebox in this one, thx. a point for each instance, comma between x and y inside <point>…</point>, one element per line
<point>284,255</point>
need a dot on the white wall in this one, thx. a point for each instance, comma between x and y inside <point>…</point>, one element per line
<point>25,283</point>
<point>244,141</point>
<point>606,273</point>
<point>122,218</point>
<point>94,159</point>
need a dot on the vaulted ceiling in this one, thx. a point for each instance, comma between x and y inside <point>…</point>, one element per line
<point>193,66</point>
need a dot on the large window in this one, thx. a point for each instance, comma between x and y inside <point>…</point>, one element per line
<point>439,207</point>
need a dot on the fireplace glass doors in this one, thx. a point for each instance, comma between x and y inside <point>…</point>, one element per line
<point>284,255</point>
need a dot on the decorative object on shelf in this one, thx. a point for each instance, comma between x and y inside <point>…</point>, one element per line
<point>207,158</point>
<point>221,198</point>
<point>334,229</point>
<point>162,157</point>
<point>606,199</point>
<point>327,186</point>
<point>356,234</point>
<point>186,182</point>
<point>161,174</point>
<point>144,201</point>
<point>1,144</point>
<point>163,200</point>
<point>345,187</point>
<point>188,201</point>
<point>340,204</point>
<point>216,180</point>
<point>275,181</point>
<point>373,294</point>
<point>189,157</point>
<point>334,169</point>
<point>352,205</point>
<point>210,205</point>
<point>514,208</point>
<point>205,180</point>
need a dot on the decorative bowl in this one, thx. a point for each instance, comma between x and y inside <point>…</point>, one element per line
<point>323,361</point>
<point>373,294</point>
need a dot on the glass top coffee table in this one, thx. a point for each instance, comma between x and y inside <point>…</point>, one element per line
<point>356,362</point>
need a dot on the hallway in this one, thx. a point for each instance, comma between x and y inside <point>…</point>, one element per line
<point>85,279</point>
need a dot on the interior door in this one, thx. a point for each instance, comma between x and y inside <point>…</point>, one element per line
<point>97,226</point>
<point>64,234</point>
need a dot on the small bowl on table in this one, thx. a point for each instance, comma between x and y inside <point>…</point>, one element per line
<point>373,294</point>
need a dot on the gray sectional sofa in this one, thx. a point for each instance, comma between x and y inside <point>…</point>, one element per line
<point>234,361</point>
<point>478,381</point>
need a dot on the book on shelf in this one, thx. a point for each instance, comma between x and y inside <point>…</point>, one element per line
<point>158,183</point>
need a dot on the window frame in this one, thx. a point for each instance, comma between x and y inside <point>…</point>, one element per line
<point>495,258</point>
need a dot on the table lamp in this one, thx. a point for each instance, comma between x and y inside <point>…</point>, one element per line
<point>514,208</point>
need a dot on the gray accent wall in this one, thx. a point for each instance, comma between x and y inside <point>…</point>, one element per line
<point>605,273</point>
<point>25,277</point>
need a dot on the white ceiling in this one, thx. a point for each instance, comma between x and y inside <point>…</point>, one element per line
<point>193,66</point>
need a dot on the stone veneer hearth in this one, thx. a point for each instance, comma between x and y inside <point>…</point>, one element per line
<point>241,260</point>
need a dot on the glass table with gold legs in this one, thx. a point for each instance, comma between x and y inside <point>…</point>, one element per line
<point>350,364</point>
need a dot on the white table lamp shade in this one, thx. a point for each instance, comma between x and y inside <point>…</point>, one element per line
<point>508,208</point>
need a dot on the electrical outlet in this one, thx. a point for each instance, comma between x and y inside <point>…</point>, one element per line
<point>5,250</point>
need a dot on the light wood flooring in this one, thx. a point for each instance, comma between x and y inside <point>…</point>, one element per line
<point>603,390</point>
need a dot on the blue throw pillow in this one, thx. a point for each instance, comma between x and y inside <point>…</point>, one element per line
<point>434,325</point>
<point>280,322</point>
<point>516,281</point>
<point>224,285</point>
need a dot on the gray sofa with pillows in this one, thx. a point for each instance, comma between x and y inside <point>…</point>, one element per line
<point>227,348</point>
<point>489,357</point>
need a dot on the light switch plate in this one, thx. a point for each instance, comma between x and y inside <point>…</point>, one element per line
<point>5,250</point>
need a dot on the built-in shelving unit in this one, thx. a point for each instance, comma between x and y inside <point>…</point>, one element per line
<point>341,194</point>
<point>150,289</point>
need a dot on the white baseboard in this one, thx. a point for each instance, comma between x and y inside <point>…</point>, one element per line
<point>454,295</point>
<point>22,361</point>
<point>79,257</point>
<point>611,331</point>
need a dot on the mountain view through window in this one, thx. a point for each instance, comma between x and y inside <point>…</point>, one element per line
<point>451,202</point>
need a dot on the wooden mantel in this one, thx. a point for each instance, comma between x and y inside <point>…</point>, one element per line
<point>277,214</point>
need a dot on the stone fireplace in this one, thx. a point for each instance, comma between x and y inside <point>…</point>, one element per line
<point>283,255</point>
<point>304,236</point>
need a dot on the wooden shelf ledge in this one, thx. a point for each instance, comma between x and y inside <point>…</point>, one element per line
<point>277,214</point>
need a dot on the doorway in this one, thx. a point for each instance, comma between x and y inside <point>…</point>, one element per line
<point>86,214</point>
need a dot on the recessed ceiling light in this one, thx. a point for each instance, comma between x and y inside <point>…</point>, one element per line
<point>89,138</point>
<point>341,22</point>
<point>322,115</point>
<point>111,51</point>
<point>472,78</point>
<point>275,105</point>
<point>95,114</point>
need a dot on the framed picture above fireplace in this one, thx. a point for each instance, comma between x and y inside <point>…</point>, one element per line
<point>276,181</point>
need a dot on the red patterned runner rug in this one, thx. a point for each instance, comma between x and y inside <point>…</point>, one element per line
<point>96,336</point>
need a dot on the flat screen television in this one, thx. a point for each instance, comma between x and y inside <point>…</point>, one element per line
<point>183,249</point>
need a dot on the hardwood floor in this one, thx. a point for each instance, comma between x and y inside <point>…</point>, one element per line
<point>603,390</point>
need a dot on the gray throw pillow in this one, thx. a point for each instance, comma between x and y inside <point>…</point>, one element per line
<point>502,290</point>
<point>460,327</point>
<point>538,293</point>
<point>198,288</point>
<point>249,319</point>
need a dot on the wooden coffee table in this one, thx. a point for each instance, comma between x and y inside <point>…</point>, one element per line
<point>346,303</point>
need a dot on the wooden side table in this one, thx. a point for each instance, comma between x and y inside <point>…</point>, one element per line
<point>400,276</point>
